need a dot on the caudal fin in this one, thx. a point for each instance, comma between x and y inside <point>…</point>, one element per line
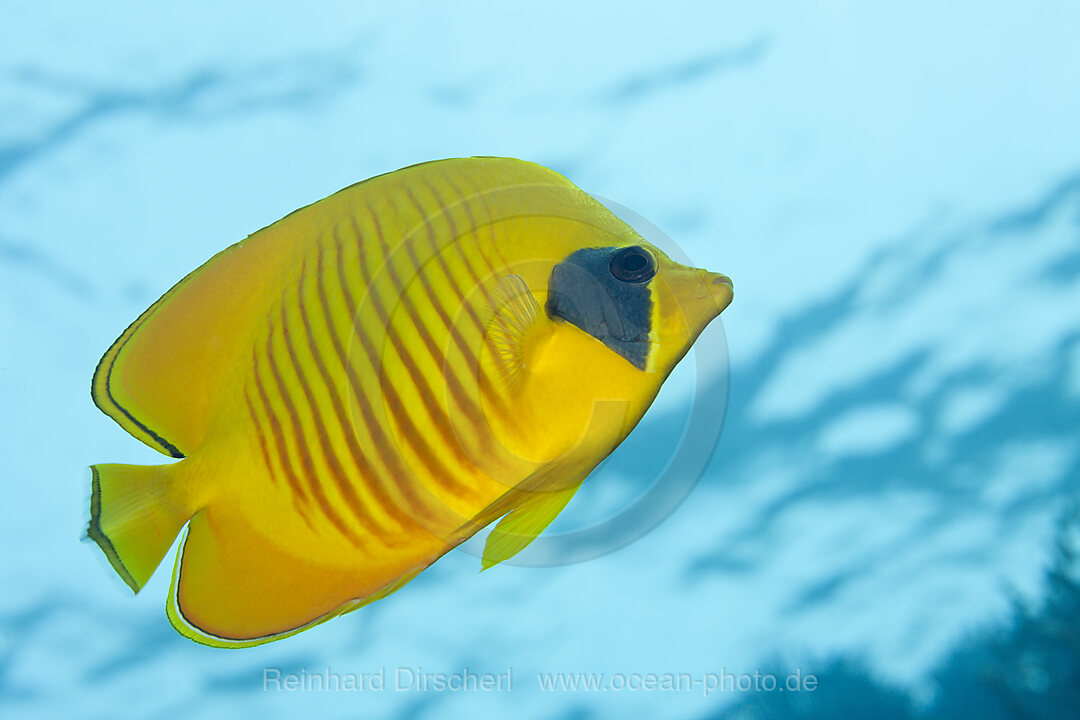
<point>135,514</point>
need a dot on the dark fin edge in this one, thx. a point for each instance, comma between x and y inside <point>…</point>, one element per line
<point>93,531</point>
<point>103,377</point>
<point>189,629</point>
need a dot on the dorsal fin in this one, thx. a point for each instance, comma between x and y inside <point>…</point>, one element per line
<point>161,375</point>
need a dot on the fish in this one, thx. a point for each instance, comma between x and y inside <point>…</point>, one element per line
<point>356,389</point>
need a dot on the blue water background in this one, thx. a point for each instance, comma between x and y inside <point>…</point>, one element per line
<point>894,190</point>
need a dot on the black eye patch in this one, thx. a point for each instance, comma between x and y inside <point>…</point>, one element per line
<point>605,292</point>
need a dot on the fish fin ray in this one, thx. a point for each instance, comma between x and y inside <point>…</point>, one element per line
<point>514,311</point>
<point>135,514</point>
<point>523,524</point>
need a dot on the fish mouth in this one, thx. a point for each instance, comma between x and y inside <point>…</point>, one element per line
<point>702,297</point>
<point>721,290</point>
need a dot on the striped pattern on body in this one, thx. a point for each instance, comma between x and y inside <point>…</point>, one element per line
<point>366,392</point>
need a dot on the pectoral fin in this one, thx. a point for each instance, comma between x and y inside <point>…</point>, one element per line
<point>515,315</point>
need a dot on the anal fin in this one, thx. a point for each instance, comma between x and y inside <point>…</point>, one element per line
<point>235,585</point>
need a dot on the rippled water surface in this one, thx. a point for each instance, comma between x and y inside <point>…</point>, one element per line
<point>891,507</point>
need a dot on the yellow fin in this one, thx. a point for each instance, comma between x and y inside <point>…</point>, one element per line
<point>514,313</point>
<point>135,514</point>
<point>161,377</point>
<point>385,592</point>
<point>236,584</point>
<point>523,524</point>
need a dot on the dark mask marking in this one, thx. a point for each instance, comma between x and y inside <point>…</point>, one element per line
<point>605,292</point>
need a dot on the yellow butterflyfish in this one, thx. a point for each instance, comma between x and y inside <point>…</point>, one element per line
<point>361,386</point>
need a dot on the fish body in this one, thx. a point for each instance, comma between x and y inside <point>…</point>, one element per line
<point>361,386</point>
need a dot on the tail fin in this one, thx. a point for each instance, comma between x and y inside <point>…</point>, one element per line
<point>135,514</point>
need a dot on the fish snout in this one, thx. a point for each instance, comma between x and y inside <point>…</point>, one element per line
<point>700,296</point>
<point>720,288</point>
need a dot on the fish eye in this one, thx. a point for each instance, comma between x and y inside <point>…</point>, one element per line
<point>633,265</point>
